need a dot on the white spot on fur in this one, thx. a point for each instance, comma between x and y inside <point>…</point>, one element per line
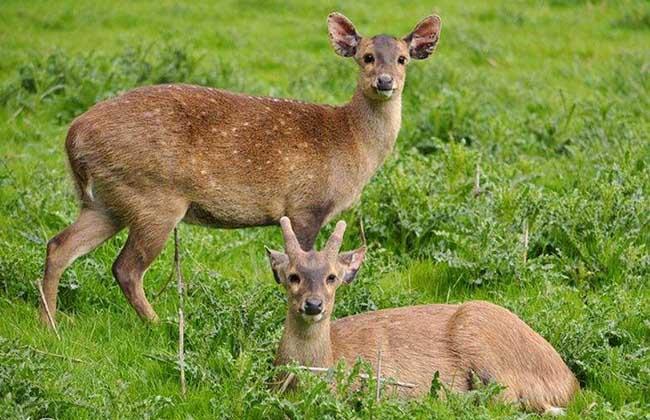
<point>89,189</point>
<point>555,411</point>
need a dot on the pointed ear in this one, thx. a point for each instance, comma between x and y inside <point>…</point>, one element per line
<point>351,261</point>
<point>343,36</point>
<point>278,262</point>
<point>423,39</point>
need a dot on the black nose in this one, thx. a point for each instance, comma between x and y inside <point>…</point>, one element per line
<point>313,306</point>
<point>384,82</point>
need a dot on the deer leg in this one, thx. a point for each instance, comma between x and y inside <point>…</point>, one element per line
<point>144,244</point>
<point>90,230</point>
<point>306,230</point>
<point>306,225</point>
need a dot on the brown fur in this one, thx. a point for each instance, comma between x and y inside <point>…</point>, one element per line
<point>464,343</point>
<point>158,155</point>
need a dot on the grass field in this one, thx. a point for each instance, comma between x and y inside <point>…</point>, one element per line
<point>550,98</point>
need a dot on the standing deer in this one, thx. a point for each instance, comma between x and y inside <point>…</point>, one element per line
<point>466,343</point>
<point>158,155</point>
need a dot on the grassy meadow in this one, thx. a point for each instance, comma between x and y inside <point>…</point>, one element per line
<point>549,99</point>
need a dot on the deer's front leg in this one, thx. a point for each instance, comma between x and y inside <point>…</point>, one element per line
<point>307,224</point>
<point>306,232</point>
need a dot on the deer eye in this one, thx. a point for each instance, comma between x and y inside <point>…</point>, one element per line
<point>294,278</point>
<point>331,278</point>
<point>401,60</point>
<point>368,58</point>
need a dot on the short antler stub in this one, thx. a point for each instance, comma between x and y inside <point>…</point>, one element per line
<point>291,244</point>
<point>336,240</point>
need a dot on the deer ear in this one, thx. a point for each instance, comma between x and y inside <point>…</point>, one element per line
<point>351,262</point>
<point>343,37</point>
<point>278,261</point>
<point>423,39</point>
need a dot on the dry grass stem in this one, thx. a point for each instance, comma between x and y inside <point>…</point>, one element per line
<point>50,319</point>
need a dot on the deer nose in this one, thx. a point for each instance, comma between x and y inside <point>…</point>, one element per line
<point>384,82</point>
<point>313,306</point>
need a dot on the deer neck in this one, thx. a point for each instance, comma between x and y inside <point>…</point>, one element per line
<point>374,125</point>
<point>308,344</point>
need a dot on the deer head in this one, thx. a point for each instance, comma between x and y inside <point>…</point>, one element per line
<point>382,59</point>
<point>312,277</point>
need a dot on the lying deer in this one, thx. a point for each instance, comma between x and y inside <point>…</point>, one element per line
<point>158,155</point>
<point>467,343</point>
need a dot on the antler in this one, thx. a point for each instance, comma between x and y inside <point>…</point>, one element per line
<point>291,244</point>
<point>334,242</point>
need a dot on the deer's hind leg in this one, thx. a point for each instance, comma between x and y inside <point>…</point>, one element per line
<point>91,229</point>
<point>147,236</point>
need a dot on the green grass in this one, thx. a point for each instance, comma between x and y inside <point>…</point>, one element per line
<point>550,99</point>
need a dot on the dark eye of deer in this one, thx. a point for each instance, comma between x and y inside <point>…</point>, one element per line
<point>331,278</point>
<point>401,60</point>
<point>294,278</point>
<point>368,58</point>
